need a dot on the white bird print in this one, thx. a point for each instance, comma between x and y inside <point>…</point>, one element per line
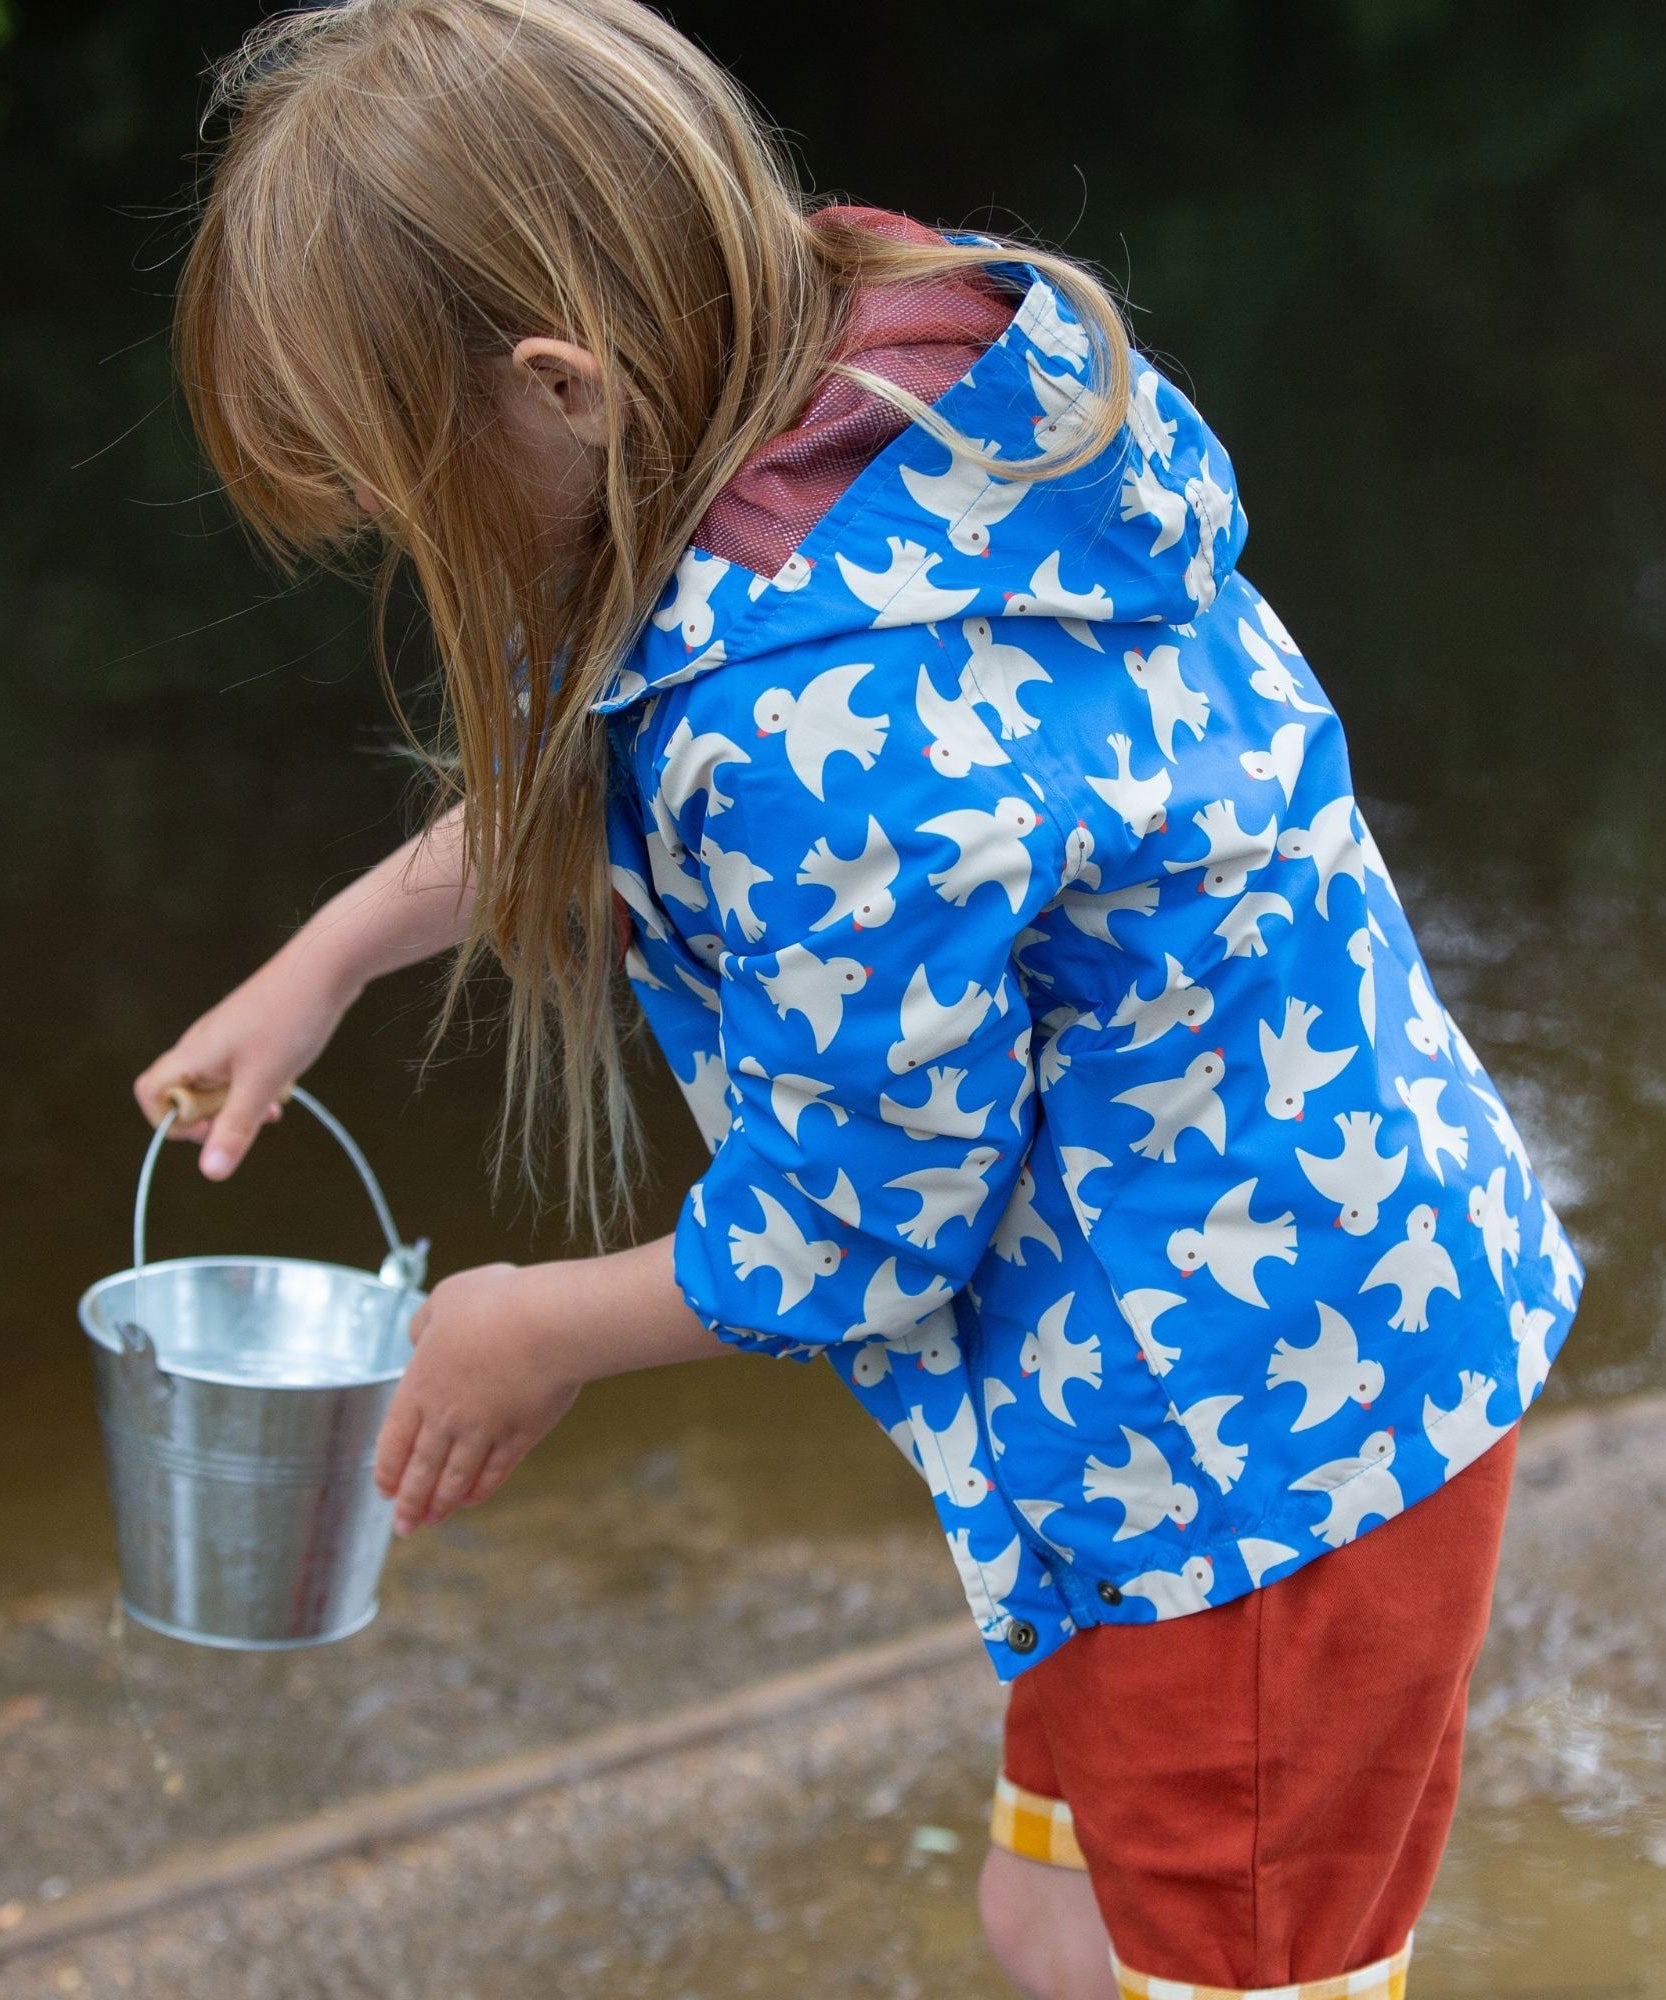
<point>1231,1243</point>
<point>1281,762</point>
<point>969,499</point>
<point>1065,407</point>
<point>1434,1134</point>
<point>1233,853</point>
<point>815,987</point>
<point>1153,432</point>
<point>1358,1487</point>
<point>996,1396</point>
<point>1091,910</point>
<point>1079,864</point>
<point>1048,1352</point>
<point>782,1247</point>
<point>1329,1374</point>
<point>1330,845</point>
<point>840,1201</point>
<point>1555,1248</point>
<point>793,575</point>
<point>689,609</point>
<point>1020,1224</point>
<point>790,1096</point>
<point>1144,493</point>
<point>1140,803</point>
<point>1048,597</point>
<point>1272,679</point>
<point>1427,1030</point>
<point>872,1365</point>
<point>1361,952</point>
<point>1174,702</point>
<point>1142,1309</point>
<point>1293,1065</point>
<point>672,882</point>
<point>690,765</point>
<point>1375,862</point>
<point>1222,1462</point>
<point>1181,1004</point>
<point>888,1310</point>
<point>1530,1330</point>
<point>931,1029</point>
<point>1059,338</point>
<point>1359,1179</point>
<point>944,1193</point>
<point>1460,1044</point>
<point>1184,1103</point>
<point>1274,628</point>
<point>1504,1131</point>
<point>987,1584</point>
<point>1500,1230</point>
<point>640,972</point>
<point>996,675</point>
<point>946,1456</point>
<point>1418,1266</point>
<point>942,1116</point>
<point>733,876</point>
<point>819,722</point>
<point>1144,1487</point>
<point>1078,1162</point>
<point>934,1344</point>
<point>1175,1593</point>
<point>703,990</point>
<point>707,1094</point>
<point>1261,1556</point>
<point>639,899</point>
<point>860,885</point>
<point>1462,1433</point>
<point>1037,1513</point>
<point>1211,503</point>
<point>902,593</point>
<point>1240,929</point>
<point>959,736</point>
<point>991,850</point>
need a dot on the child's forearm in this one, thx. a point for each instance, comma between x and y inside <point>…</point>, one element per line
<point>411,905</point>
<point>610,1315</point>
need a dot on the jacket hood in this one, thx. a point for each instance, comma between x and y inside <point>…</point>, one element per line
<point>1143,534</point>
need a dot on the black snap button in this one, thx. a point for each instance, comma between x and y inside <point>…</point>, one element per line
<point>1021,1635</point>
<point>1109,1592</point>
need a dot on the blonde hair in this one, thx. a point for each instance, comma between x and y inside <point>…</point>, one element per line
<point>405,189</point>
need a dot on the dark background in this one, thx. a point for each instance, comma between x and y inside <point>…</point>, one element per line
<point>1406,255</point>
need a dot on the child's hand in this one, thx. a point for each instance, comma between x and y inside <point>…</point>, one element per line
<point>484,1385</point>
<point>257,1039</point>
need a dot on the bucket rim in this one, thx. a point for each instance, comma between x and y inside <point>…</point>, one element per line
<point>112,1346</point>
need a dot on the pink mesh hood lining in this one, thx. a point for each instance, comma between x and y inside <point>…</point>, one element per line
<point>923,336</point>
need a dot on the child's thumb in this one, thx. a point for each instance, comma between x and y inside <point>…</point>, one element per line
<point>234,1129</point>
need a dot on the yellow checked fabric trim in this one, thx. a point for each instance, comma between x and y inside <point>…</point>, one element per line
<point>1386,1980</point>
<point>1033,1826</point>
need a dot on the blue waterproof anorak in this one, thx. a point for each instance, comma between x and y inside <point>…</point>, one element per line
<point>1071,1074</point>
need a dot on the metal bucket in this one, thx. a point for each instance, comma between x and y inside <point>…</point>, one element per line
<point>240,1400</point>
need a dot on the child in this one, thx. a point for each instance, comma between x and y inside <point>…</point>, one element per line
<point>982,853</point>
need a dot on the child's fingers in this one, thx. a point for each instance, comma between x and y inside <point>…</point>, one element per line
<point>501,1460</point>
<point>393,1448</point>
<point>457,1475</point>
<point>416,1485</point>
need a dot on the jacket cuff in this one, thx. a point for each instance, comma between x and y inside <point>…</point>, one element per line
<point>699,1261</point>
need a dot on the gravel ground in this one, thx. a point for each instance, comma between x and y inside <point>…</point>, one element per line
<point>791,1861</point>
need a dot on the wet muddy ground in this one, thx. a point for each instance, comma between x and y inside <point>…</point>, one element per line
<point>791,1859</point>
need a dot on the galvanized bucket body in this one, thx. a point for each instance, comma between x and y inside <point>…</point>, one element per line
<point>240,1400</point>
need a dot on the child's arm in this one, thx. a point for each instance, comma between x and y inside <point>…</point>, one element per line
<point>502,1352</point>
<point>277,1023</point>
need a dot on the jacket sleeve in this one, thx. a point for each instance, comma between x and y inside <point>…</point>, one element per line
<point>873,1032</point>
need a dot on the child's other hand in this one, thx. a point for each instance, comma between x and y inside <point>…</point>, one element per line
<point>483,1386</point>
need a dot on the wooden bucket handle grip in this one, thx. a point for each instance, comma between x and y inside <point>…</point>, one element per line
<point>192,1101</point>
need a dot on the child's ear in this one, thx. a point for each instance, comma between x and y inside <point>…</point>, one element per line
<point>571,376</point>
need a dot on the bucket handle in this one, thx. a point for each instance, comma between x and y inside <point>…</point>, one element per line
<point>405,1265</point>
